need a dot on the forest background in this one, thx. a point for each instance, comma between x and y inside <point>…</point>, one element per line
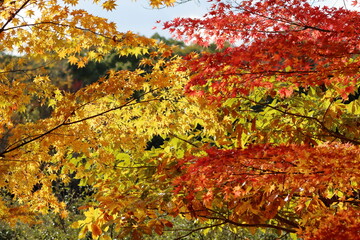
<point>252,133</point>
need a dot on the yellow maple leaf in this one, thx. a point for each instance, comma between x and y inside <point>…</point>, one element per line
<point>72,2</point>
<point>72,60</point>
<point>80,64</point>
<point>109,5</point>
<point>62,54</point>
<point>29,13</point>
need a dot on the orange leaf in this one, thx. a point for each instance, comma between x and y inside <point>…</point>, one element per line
<point>95,230</point>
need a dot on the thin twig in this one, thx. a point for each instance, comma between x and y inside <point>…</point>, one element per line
<point>196,229</point>
<point>188,142</point>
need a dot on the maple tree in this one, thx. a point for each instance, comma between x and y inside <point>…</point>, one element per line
<point>287,93</point>
<point>97,134</point>
<point>260,134</point>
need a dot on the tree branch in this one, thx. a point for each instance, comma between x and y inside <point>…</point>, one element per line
<point>188,142</point>
<point>13,15</point>
<point>263,225</point>
<point>196,229</point>
<point>321,123</point>
<point>67,123</point>
<point>61,25</point>
<point>286,221</point>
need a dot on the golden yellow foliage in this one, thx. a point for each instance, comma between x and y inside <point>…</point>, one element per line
<point>98,133</point>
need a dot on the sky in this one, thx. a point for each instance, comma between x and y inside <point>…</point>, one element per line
<point>138,17</point>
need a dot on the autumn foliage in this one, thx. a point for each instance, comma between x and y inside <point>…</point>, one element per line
<point>261,134</point>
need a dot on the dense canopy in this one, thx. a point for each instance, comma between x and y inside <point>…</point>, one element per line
<point>262,133</point>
